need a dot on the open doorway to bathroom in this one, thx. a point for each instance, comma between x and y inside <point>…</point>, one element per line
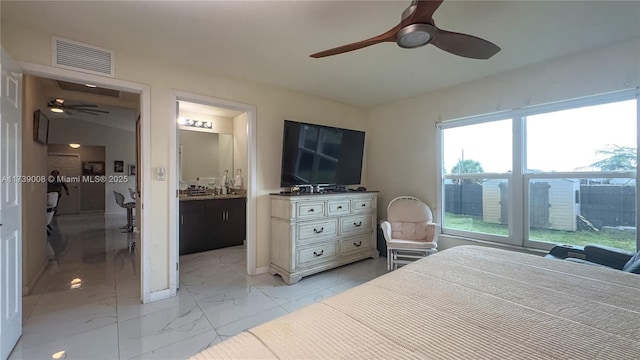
<point>214,179</point>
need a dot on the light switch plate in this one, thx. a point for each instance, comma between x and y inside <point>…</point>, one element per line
<point>160,174</point>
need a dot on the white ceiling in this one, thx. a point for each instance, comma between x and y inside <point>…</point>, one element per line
<point>122,110</point>
<point>270,41</point>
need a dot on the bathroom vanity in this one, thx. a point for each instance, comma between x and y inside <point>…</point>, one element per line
<point>209,222</point>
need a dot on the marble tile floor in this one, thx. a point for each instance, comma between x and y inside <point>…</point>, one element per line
<point>101,317</point>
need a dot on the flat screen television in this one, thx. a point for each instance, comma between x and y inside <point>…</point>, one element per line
<point>320,155</point>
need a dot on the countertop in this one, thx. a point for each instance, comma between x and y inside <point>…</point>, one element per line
<point>210,197</point>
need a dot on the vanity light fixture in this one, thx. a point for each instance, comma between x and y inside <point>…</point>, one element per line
<point>74,146</point>
<point>201,124</point>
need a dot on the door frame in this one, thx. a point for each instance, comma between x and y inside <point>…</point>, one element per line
<point>251,178</point>
<point>79,168</point>
<point>144,220</point>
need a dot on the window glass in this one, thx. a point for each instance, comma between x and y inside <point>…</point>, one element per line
<point>478,148</point>
<point>579,186</point>
<point>590,138</point>
<point>477,205</point>
<point>583,211</point>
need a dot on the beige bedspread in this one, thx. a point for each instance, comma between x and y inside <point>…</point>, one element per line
<point>467,302</point>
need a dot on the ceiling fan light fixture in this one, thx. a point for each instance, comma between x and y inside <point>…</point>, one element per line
<point>414,35</point>
<point>56,109</point>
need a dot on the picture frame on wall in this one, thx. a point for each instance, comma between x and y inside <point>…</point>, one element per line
<point>131,170</point>
<point>118,166</point>
<point>40,127</point>
<point>93,168</point>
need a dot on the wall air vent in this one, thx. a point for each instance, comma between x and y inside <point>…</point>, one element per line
<point>73,55</point>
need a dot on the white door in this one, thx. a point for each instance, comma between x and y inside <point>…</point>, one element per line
<point>10,205</point>
<point>69,166</point>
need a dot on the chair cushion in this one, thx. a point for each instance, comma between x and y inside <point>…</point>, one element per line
<point>418,231</point>
<point>409,244</point>
<point>407,210</point>
<point>633,265</point>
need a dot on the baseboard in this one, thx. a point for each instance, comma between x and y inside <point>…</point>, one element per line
<point>160,295</point>
<point>262,270</point>
<point>31,284</point>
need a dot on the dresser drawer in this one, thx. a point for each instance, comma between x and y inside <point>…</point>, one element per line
<point>310,209</point>
<point>355,244</point>
<point>363,205</point>
<point>321,252</point>
<point>352,225</point>
<point>339,207</point>
<point>311,231</point>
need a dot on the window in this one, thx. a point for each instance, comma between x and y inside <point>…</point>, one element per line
<point>562,173</point>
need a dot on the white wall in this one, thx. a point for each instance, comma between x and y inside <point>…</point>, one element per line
<point>401,137</point>
<point>34,194</point>
<point>273,106</point>
<point>119,145</point>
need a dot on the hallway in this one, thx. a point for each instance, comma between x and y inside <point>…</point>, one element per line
<point>100,316</point>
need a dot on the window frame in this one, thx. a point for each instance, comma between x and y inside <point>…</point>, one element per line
<point>519,179</point>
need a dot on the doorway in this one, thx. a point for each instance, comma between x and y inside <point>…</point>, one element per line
<point>142,169</point>
<point>68,167</point>
<point>244,154</point>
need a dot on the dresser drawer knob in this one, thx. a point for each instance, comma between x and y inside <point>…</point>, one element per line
<point>358,244</point>
<point>318,231</point>
<point>318,254</point>
<point>358,224</point>
<point>363,205</point>
<point>340,207</point>
<point>311,210</point>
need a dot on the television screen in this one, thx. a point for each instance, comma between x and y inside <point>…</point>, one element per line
<point>318,155</point>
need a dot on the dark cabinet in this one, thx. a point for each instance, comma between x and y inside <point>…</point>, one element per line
<point>191,226</point>
<point>225,223</point>
<point>213,224</point>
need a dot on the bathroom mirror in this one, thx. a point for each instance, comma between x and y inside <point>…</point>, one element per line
<point>204,156</point>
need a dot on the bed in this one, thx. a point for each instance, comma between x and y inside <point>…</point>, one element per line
<point>466,302</point>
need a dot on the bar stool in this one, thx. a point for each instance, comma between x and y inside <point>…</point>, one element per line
<point>129,206</point>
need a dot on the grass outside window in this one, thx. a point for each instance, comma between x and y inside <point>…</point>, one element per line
<point>615,238</point>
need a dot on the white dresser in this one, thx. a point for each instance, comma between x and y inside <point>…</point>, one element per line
<point>313,233</point>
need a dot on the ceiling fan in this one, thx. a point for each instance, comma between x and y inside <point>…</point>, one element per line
<point>58,105</point>
<point>416,29</point>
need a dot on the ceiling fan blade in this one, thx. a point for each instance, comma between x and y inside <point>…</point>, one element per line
<point>387,36</point>
<point>464,45</point>
<point>423,13</point>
